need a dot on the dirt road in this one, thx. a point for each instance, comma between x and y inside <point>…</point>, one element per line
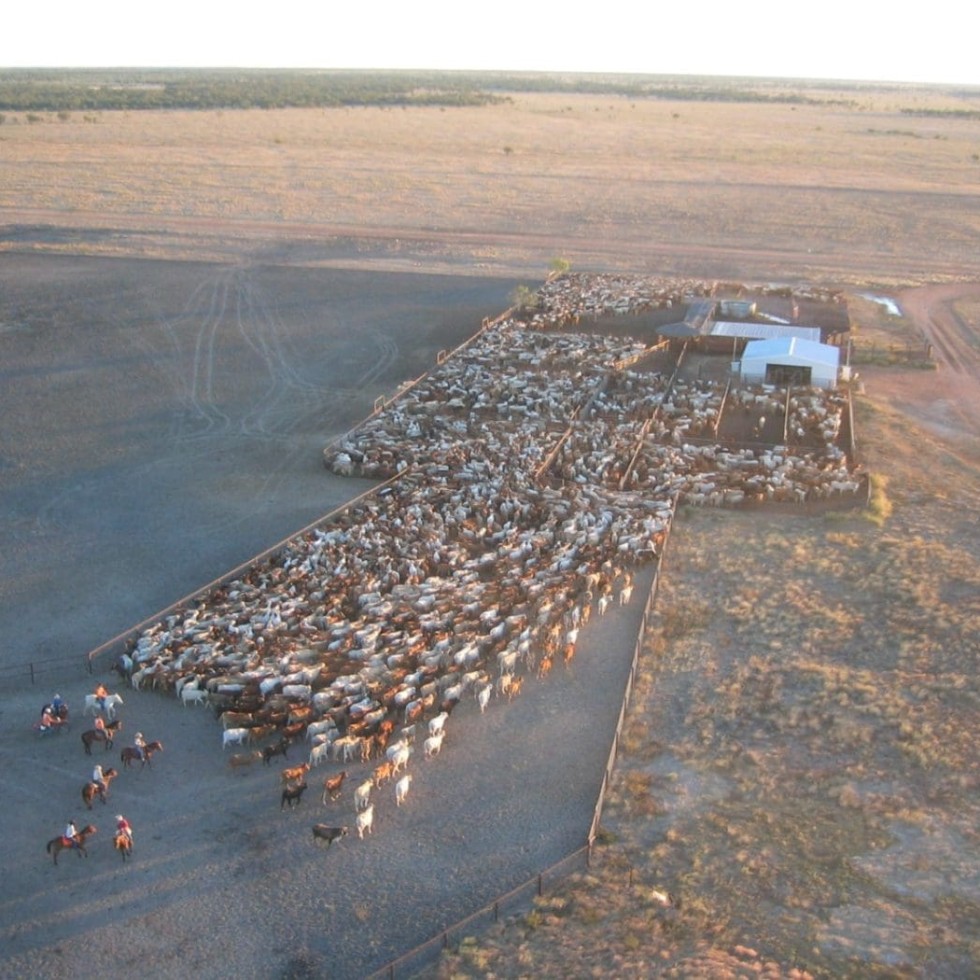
<point>946,400</point>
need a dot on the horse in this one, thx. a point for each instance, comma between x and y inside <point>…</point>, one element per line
<point>123,843</point>
<point>129,754</point>
<point>94,705</point>
<point>58,844</point>
<point>101,735</point>
<point>52,719</point>
<point>92,789</point>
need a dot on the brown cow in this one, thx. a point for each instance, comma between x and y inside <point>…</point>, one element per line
<point>383,773</point>
<point>332,785</point>
<point>295,774</point>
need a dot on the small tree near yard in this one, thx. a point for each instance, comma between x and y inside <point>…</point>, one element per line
<point>525,299</point>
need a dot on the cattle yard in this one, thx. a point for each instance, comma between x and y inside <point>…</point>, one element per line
<point>527,476</point>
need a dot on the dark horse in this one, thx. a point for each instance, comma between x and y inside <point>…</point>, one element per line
<point>123,843</point>
<point>58,844</point>
<point>92,789</point>
<point>129,755</point>
<point>105,735</point>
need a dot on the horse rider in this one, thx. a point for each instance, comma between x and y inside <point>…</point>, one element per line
<point>101,693</point>
<point>99,723</point>
<point>98,777</point>
<point>48,720</point>
<point>71,834</point>
<point>140,745</point>
<point>123,827</point>
<point>59,707</point>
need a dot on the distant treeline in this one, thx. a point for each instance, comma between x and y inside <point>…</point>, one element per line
<point>89,90</point>
<point>945,113</point>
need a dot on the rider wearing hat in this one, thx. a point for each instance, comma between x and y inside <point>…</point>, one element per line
<point>71,834</point>
<point>140,745</point>
<point>48,720</point>
<point>98,777</point>
<point>123,827</point>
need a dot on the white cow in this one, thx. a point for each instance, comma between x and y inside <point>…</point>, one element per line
<point>433,744</point>
<point>438,723</point>
<point>365,822</point>
<point>363,794</point>
<point>234,736</point>
<point>193,695</point>
<point>401,789</point>
<point>400,759</point>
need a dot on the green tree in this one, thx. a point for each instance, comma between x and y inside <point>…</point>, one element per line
<point>525,299</point>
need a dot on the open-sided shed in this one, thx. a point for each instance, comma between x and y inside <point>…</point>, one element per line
<point>790,360</point>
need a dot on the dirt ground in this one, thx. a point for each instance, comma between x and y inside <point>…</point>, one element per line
<point>178,348</point>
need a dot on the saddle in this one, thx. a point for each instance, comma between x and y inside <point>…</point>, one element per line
<point>69,841</point>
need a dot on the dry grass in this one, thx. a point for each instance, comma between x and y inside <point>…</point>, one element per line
<point>594,175</point>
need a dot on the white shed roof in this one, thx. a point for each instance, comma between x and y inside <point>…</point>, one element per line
<point>764,331</point>
<point>792,350</point>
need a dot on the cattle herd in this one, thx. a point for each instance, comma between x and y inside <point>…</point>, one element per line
<point>524,479</point>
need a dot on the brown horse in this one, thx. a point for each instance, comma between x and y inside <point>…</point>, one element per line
<point>105,735</point>
<point>129,755</point>
<point>92,789</point>
<point>57,845</point>
<point>123,843</point>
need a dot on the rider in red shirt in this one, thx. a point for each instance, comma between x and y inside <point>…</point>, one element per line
<point>123,827</point>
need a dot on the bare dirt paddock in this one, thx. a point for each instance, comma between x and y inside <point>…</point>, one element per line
<point>178,347</point>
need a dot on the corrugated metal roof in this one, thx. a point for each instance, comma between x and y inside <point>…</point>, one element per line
<point>676,330</point>
<point>792,347</point>
<point>764,331</point>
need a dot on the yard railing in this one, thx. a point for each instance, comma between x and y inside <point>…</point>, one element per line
<point>32,671</point>
<point>118,643</point>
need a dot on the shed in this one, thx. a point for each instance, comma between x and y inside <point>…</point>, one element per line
<point>790,360</point>
<point>762,331</point>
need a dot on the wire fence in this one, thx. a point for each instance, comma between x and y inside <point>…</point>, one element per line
<point>918,354</point>
<point>33,671</point>
<point>517,901</point>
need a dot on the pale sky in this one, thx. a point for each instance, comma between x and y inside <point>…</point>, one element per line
<point>836,39</point>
